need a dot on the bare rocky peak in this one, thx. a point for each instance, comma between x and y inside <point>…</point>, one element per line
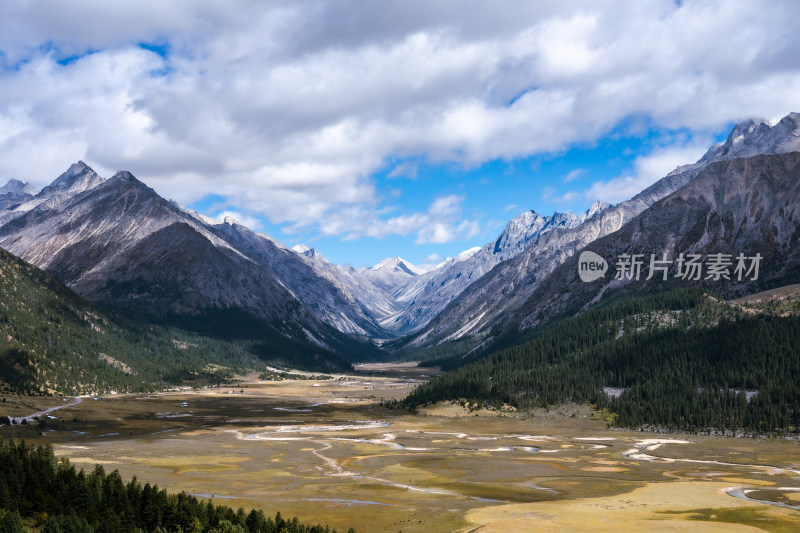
<point>77,178</point>
<point>14,193</point>
<point>758,136</point>
<point>17,188</point>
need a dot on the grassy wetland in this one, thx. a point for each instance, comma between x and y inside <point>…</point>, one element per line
<point>328,451</point>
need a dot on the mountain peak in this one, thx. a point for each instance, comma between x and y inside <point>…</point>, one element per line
<point>397,263</point>
<point>308,252</point>
<point>230,221</point>
<point>525,219</point>
<point>17,187</point>
<point>302,248</point>
<point>78,177</point>
<point>124,175</point>
<point>597,207</point>
<point>466,254</point>
<point>751,137</point>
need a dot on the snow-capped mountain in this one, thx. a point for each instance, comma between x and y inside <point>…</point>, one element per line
<point>495,295</point>
<point>391,273</point>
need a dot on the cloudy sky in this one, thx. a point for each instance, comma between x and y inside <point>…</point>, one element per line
<point>376,128</point>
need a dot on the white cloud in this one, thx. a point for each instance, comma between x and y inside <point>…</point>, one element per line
<point>442,222</point>
<point>404,170</point>
<point>549,195</point>
<point>574,174</point>
<point>288,108</point>
<point>647,170</point>
<point>240,218</point>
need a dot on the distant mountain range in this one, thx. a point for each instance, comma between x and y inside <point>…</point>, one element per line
<point>117,242</point>
<point>14,193</point>
<point>489,302</point>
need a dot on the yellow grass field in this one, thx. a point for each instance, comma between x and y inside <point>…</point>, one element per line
<point>326,451</point>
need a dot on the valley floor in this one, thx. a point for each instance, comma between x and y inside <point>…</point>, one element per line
<point>326,451</point>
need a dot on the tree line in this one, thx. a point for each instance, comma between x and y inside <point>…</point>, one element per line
<point>675,360</point>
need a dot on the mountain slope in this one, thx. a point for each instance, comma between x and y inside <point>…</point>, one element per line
<point>119,243</point>
<point>320,295</point>
<point>743,206</point>
<point>51,340</point>
<point>494,296</point>
<point>677,360</point>
<point>370,296</point>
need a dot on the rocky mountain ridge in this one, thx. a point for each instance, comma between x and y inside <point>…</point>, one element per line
<point>511,283</point>
<point>117,242</point>
<point>747,209</point>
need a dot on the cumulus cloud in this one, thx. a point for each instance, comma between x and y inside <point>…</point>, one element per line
<point>442,222</point>
<point>288,108</point>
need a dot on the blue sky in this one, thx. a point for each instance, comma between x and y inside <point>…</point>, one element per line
<point>389,128</point>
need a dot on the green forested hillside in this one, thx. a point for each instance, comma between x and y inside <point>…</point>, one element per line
<point>680,360</point>
<point>33,484</point>
<point>53,341</point>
